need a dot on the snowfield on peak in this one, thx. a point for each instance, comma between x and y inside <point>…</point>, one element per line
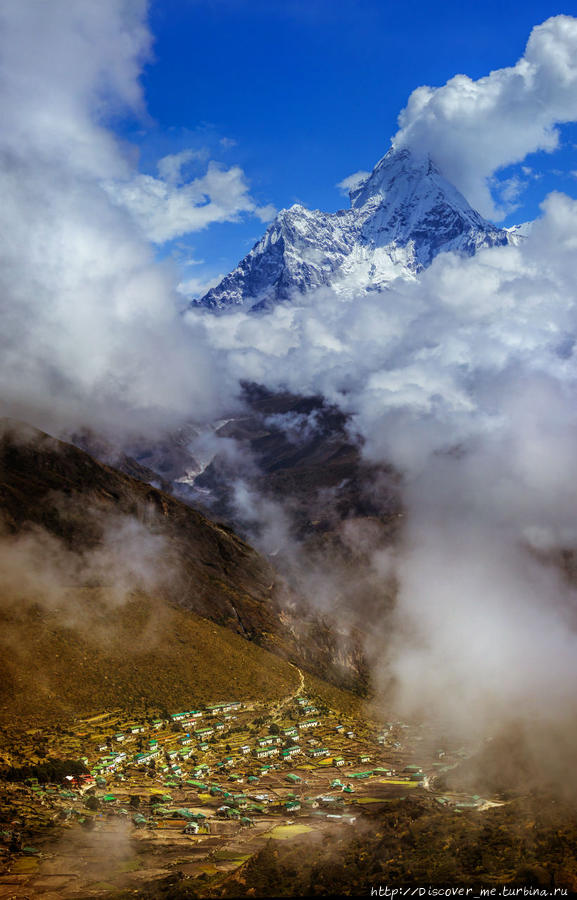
<point>401,216</point>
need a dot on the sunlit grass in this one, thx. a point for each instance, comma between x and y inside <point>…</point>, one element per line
<point>283,832</point>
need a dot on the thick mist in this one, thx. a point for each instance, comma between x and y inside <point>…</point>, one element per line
<point>91,328</point>
<point>465,383</point>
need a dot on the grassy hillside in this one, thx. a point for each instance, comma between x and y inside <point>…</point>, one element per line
<point>146,653</point>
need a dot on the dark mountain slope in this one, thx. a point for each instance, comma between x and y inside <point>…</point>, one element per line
<point>47,483</point>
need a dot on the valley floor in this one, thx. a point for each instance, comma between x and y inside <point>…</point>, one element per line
<point>195,797</point>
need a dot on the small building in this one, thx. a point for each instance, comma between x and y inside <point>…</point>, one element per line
<point>294,779</point>
<point>290,751</point>
<point>220,708</point>
<point>292,806</point>
<point>245,749</point>
<point>265,752</point>
<point>338,761</point>
<point>145,758</point>
<point>309,723</point>
<point>316,752</point>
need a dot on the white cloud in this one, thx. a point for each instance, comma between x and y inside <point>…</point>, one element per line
<point>473,128</point>
<point>352,181</point>
<point>170,167</point>
<point>165,209</point>
<point>86,312</point>
<point>191,288</point>
<point>508,191</point>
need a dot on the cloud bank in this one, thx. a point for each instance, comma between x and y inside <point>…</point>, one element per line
<point>474,128</point>
<point>91,328</point>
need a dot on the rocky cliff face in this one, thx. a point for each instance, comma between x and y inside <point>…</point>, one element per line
<point>401,216</point>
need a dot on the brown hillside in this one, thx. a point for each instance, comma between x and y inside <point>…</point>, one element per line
<point>55,486</point>
<point>144,654</point>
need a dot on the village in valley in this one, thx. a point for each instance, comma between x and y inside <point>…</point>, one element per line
<point>114,802</point>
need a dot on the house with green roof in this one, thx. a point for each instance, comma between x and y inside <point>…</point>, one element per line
<point>202,734</point>
<point>265,752</point>
<point>309,723</point>
<point>292,806</point>
<point>290,751</point>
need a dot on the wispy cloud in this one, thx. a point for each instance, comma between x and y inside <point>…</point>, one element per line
<point>168,207</point>
<point>352,181</point>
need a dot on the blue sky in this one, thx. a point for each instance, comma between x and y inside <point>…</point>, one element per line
<point>301,93</point>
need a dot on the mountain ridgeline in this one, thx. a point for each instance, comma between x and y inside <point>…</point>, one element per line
<point>401,216</point>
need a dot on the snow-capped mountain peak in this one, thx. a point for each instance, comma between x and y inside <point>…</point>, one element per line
<point>401,216</point>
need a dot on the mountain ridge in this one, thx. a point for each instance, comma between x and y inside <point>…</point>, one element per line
<point>401,216</point>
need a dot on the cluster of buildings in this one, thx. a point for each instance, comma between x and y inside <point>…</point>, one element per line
<point>202,727</point>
